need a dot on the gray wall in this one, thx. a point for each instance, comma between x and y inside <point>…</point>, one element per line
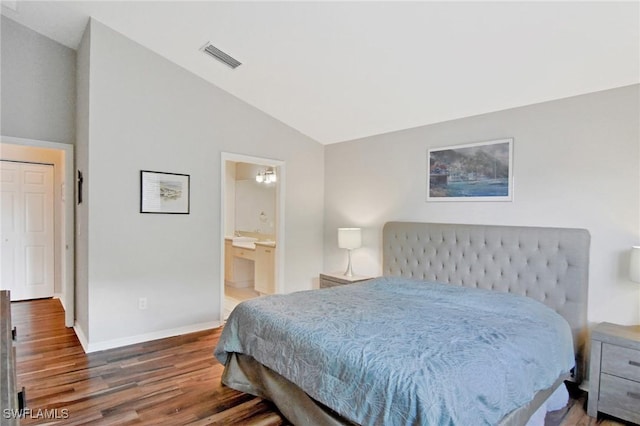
<point>38,85</point>
<point>82,209</point>
<point>576,164</point>
<point>146,113</point>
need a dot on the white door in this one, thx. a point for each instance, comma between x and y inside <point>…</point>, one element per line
<point>26,229</point>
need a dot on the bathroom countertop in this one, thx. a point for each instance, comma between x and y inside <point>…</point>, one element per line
<point>265,243</point>
<point>250,245</point>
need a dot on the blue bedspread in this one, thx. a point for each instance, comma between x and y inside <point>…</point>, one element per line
<point>392,351</point>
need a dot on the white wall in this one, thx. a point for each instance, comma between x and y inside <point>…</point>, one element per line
<point>255,202</point>
<point>576,164</point>
<point>230,198</point>
<point>147,113</point>
<point>255,207</point>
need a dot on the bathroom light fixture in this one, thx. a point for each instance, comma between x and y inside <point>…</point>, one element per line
<point>266,176</point>
<point>349,238</point>
<point>634,264</point>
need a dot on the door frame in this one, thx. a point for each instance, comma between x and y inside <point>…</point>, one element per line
<point>280,204</point>
<point>68,193</point>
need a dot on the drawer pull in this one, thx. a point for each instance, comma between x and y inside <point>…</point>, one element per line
<point>633,395</point>
<point>634,363</point>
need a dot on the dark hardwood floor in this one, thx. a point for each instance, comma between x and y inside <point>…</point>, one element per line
<point>174,381</point>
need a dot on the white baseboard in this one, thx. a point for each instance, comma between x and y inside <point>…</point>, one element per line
<point>59,297</point>
<point>140,338</point>
<point>81,336</point>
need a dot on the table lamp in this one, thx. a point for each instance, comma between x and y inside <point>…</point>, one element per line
<point>349,238</point>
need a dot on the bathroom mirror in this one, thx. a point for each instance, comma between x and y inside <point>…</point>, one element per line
<point>255,202</point>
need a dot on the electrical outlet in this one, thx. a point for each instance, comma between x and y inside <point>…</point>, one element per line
<point>142,303</point>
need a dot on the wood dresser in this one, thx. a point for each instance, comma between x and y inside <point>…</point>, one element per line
<point>614,374</point>
<point>11,402</point>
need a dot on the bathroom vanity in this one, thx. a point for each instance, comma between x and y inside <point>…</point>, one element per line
<point>264,268</point>
<point>250,263</point>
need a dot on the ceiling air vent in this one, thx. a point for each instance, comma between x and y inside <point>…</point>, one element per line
<point>211,50</point>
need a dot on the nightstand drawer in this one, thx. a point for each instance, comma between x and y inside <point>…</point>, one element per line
<point>621,362</point>
<point>614,375</point>
<point>336,279</point>
<point>324,283</point>
<point>619,393</point>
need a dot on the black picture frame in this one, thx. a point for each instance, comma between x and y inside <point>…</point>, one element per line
<point>164,193</point>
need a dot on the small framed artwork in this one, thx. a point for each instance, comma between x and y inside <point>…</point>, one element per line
<point>164,192</point>
<point>472,172</point>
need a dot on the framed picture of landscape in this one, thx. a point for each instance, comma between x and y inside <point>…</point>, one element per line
<point>162,192</point>
<point>472,172</point>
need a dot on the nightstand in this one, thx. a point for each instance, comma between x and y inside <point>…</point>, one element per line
<point>337,278</point>
<point>614,373</point>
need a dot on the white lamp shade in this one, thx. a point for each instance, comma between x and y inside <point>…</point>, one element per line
<point>634,264</point>
<point>349,238</point>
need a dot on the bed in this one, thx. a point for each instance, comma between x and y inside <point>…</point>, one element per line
<point>453,333</point>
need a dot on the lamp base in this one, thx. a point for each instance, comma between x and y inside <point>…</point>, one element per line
<point>349,271</point>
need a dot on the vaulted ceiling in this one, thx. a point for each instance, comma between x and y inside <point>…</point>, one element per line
<point>338,71</point>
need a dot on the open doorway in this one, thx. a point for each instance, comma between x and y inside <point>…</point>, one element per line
<point>252,212</point>
<point>25,151</point>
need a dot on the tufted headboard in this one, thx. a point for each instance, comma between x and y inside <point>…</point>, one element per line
<point>550,265</point>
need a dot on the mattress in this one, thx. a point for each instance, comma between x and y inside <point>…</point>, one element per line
<point>400,351</point>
